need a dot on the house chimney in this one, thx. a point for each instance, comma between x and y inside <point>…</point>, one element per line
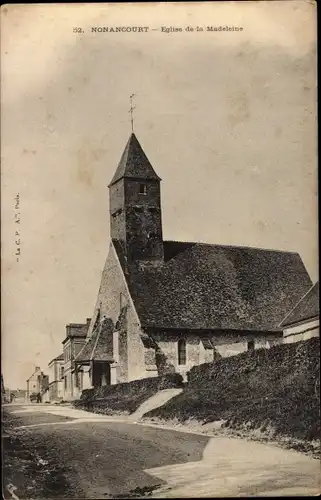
<point>88,320</point>
<point>37,368</point>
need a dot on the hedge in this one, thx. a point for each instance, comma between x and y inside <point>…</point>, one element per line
<point>128,396</point>
<point>273,388</point>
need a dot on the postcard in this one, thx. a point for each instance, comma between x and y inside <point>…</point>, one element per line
<point>160,294</point>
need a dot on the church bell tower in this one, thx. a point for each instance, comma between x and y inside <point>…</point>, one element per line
<point>135,206</point>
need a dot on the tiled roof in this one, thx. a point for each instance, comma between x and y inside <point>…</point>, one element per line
<point>86,351</point>
<point>202,286</point>
<point>306,308</point>
<point>99,346</point>
<point>134,163</point>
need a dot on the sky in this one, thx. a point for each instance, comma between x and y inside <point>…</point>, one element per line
<point>227,119</point>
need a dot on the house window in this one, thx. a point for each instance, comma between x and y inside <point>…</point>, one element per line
<point>142,189</point>
<point>250,345</point>
<point>65,382</point>
<point>61,372</point>
<point>181,352</point>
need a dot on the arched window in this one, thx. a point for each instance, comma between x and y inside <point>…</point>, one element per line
<point>181,351</point>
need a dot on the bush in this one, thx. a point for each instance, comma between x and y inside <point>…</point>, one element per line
<point>126,397</point>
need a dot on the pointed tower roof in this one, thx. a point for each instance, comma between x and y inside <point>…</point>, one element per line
<point>134,163</point>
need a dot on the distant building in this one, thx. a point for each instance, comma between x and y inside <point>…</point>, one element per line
<point>165,306</point>
<point>56,378</point>
<point>76,334</point>
<point>37,383</point>
<point>303,321</point>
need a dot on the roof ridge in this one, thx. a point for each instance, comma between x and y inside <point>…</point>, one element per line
<point>232,246</point>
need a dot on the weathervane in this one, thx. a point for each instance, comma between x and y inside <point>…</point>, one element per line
<point>131,111</point>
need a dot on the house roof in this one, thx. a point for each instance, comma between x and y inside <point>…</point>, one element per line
<point>202,286</point>
<point>134,163</point>
<point>58,358</point>
<point>75,330</point>
<point>99,346</point>
<point>307,307</point>
<point>35,371</point>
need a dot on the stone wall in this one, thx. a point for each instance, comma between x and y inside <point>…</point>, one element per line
<point>114,302</point>
<point>224,344</point>
<point>136,219</point>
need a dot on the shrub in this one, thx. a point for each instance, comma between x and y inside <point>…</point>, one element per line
<point>126,397</point>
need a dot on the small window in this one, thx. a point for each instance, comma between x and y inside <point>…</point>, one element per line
<point>182,352</point>
<point>250,345</point>
<point>61,372</point>
<point>142,189</point>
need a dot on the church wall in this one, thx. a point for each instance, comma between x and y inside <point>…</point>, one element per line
<point>136,350</point>
<point>114,297</point>
<point>303,331</point>
<point>225,344</point>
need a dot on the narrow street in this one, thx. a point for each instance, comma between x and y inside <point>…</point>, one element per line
<point>82,455</point>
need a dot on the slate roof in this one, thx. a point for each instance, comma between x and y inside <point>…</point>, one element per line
<point>307,308</point>
<point>202,286</point>
<point>98,347</point>
<point>134,163</point>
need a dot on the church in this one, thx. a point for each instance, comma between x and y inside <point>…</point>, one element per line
<point>165,306</point>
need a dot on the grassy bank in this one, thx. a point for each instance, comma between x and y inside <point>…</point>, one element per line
<point>125,398</point>
<point>270,394</point>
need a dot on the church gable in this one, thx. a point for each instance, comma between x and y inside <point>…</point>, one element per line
<point>113,293</point>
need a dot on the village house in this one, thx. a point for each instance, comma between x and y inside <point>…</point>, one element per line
<point>56,378</point>
<point>76,334</point>
<point>303,321</point>
<point>165,306</point>
<point>37,383</point>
